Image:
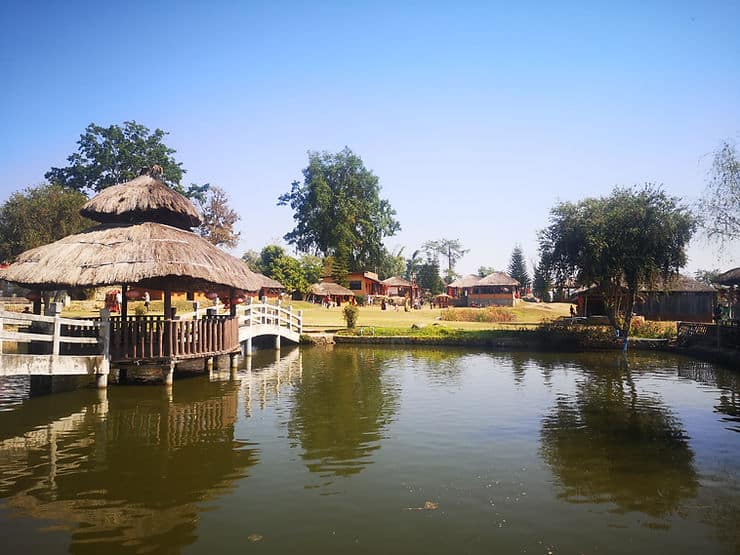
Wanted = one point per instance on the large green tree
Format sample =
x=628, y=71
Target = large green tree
x=451, y=249
x=111, y=155
x=428, y=278
x=518, y=267
x=541, y=282
x=719, y=208
x=338, y=211
x=631, y=238
x=38, y=216
x=275, y=263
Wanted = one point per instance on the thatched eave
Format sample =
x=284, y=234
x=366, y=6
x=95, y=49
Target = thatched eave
x=148, y=254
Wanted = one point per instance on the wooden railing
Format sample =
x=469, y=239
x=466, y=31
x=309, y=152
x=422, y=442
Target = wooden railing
x=724, y=334
x=53, y=334
x=154, y=337
x=276, y=315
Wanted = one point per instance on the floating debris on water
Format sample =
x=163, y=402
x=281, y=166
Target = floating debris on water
x=428, y=506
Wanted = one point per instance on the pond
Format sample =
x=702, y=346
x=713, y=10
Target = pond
x=368, y=450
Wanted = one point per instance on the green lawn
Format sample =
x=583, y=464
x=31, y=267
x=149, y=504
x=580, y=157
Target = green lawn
x=317, y=318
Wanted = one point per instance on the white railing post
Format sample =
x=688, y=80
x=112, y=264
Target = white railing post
x=57, y=335
x=300, y=321
x=290, y=318
x=278, y=311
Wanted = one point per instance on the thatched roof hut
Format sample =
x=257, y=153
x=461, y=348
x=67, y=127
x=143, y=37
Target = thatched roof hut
x=396, y=281
x=730, y=277
x=326, y=288
x=134, y=247
x=466, y=281
x=498, y=278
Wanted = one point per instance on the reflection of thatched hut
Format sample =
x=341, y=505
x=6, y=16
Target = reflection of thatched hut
x=145, y=240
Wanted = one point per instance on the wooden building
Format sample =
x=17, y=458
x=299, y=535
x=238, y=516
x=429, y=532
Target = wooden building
x=681, y=298
x=460, y=289
x=495, y=289
x=728, y=285
x=362, y=283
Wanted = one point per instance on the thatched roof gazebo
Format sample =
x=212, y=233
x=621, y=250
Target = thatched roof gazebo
x=144, y=240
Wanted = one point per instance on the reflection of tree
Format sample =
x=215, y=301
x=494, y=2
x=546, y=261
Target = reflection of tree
x=128, y=472
x=341, y=408
x=610, y=444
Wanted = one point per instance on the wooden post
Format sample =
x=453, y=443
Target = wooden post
x=167, y=323
x=234, y=360
x=101, y=375
x=124, y=302
x=2, y=309
x=232, y=306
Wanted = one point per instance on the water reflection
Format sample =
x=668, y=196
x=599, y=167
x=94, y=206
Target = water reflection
x=340, y=410
x=129, y=470
x=609, y=442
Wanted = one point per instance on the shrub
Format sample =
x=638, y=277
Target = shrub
x=350, y=313
x=653, y=330
x=487, y=314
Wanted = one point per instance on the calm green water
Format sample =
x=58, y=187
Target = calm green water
x=339, y=451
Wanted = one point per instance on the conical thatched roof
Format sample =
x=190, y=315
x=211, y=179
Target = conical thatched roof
x=150, y=254
x=143, y=199
x=498, y=278
x=730, y=277
x=328, y=288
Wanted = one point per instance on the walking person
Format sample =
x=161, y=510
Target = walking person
x=147, y=299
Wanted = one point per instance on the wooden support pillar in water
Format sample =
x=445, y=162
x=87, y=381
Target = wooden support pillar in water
x=101, y=381
x=169, y=373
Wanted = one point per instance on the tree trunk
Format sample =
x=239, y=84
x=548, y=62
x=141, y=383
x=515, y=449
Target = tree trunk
x=631, y=295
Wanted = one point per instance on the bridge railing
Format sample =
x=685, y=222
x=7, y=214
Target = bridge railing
x=53, y=334
x=152, y=337
x=276, y=315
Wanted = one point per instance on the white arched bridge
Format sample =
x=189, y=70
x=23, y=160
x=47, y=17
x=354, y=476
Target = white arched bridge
x=36, y=345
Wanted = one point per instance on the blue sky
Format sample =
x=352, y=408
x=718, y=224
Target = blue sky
x=477, y=116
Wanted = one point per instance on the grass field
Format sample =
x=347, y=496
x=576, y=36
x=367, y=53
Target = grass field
x=317, y=318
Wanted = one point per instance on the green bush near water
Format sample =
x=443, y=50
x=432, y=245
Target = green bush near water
x=350, y=313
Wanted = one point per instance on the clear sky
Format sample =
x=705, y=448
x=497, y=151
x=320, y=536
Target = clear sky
x=477, y=116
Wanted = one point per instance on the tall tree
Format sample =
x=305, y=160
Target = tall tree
x=338, y=211
x=451, y=249
x=312, y=268
x=618, y=243
x=719, y=208
x=218, y=219
x=428, y=278
x=484, y=271
x=392, y=264
x=518, y=267
x=111, y=155
x=38, y=216
x=413, y=264
x=541, y=282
